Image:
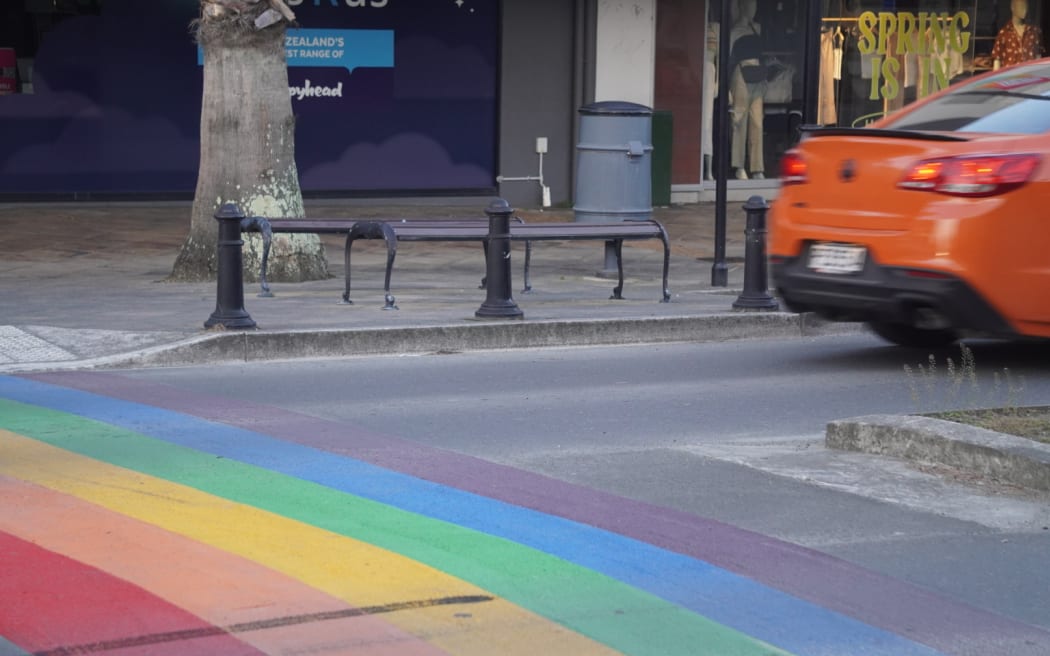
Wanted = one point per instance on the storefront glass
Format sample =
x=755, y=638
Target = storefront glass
x=876, y=59
x=876, y=56
x=764, y=84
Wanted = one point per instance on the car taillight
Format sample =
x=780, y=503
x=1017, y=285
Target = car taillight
x=984, y=175
x=793, y=169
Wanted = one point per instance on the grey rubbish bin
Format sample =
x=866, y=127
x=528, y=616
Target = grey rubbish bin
x=614, y=163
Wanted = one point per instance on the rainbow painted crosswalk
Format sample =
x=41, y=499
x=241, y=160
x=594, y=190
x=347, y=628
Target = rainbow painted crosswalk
x=133, y=520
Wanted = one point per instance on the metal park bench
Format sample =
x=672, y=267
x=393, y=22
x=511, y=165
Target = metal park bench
x=394, y=230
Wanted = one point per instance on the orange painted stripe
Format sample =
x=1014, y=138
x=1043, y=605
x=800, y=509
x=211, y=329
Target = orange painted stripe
x=219, y=587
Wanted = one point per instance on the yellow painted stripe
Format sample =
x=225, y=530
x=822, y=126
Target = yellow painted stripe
x=359, y=573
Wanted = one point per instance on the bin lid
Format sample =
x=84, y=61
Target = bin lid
x=616, y=108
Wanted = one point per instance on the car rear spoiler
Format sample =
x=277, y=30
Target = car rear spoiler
x=820, y=131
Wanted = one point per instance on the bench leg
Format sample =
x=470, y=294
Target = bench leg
x=667, y=264
x=259, y=224
x=346, y=267
x=618, y=249
x=528, y=256
x=391, y=252
x=528, y=261
x=372, y=230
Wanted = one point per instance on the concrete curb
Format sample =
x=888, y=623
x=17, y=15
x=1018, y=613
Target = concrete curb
x=261, y=346
x=1006, y=458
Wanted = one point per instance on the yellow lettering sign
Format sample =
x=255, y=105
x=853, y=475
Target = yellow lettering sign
x=866, y=23
x=960, y=35
x=887, y=36
x=887, y=30
x=919, y=34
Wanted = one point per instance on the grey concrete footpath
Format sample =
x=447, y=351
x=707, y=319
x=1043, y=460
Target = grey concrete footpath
x=84, y=286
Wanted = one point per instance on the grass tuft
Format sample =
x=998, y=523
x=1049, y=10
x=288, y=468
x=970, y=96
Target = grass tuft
x=1001, y=409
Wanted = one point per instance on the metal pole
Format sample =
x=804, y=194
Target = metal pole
x=811, y=63
x=498, y=302
x=719, y=269
x=229, y=293
x=755, y=296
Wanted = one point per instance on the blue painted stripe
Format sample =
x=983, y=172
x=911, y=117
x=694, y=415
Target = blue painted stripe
x=765, y=613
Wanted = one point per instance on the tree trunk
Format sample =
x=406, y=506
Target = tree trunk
x=247, y=152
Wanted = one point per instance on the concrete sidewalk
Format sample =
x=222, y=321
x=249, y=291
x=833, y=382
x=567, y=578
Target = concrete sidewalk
x=84, y=285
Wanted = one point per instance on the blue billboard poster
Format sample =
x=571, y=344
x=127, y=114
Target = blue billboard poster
x=110, y=105
x=394, y=95
x=390, y=96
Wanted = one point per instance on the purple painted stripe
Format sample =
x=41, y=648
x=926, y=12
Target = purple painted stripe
x=873, y=598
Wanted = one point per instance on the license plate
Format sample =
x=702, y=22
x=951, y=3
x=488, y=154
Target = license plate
x=836, y=258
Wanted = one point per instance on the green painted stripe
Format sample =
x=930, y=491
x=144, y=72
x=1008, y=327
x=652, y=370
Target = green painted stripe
x=606, y=610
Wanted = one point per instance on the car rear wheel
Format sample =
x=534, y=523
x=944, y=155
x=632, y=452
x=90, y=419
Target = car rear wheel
x=903, y=334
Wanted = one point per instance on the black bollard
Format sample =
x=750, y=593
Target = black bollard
x=755, y=296
x=229, y=296
x=498, y=302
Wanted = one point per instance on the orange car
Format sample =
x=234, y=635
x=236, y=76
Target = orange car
x=932, y=224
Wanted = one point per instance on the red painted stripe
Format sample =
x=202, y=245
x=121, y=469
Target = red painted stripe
x=52, y=604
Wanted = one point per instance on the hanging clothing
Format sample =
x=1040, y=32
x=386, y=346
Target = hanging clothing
x=943, y=63
x=830, y=70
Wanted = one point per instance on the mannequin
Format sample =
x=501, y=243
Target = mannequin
x=747, y=98
x=1017, y=41
x=707, y=95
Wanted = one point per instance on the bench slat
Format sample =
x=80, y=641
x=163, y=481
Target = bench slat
x=338, y=226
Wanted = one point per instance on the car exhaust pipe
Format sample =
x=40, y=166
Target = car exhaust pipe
x=928, y=318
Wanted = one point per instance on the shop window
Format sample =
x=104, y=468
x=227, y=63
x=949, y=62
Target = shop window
x=877, y=57
x=764, y=84
x=23, y=26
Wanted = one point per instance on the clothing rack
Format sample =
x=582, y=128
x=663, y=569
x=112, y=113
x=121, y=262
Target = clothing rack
x=854, y=19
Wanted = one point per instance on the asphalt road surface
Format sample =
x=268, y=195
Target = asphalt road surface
x=646, y=499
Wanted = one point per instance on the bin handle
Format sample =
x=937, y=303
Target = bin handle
x=635, y=149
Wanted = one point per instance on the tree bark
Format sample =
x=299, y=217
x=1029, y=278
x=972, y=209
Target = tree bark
x=247, y=151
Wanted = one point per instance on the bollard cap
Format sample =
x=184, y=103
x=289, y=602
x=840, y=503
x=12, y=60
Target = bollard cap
x=756, y=203
x=229, y=211
x=499, y=206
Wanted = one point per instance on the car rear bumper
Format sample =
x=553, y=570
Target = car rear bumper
x=887, y=294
